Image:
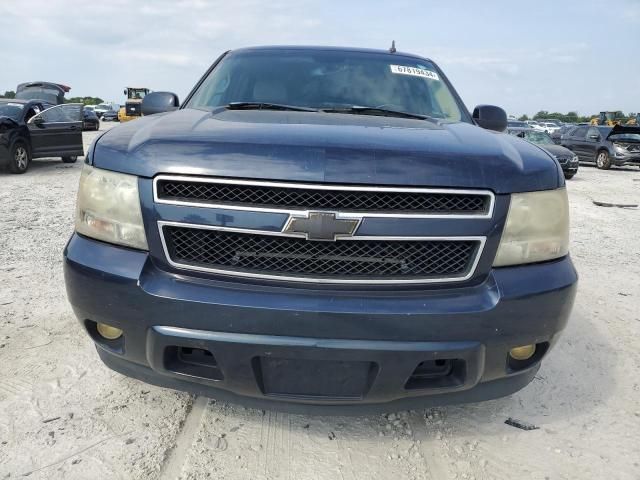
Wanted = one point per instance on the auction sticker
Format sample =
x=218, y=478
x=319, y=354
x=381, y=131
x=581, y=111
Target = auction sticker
x=414, y=72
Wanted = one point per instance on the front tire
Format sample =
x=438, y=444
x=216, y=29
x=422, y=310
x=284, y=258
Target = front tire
x=569, y=176
x=20, y=158
x=69, y=159
x=603, y=162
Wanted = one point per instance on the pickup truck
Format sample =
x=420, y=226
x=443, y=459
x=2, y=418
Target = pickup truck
x=323, y=229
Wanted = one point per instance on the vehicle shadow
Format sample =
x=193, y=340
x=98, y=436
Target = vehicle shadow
x=576, y=378
x=629, y=168
x=45, y=164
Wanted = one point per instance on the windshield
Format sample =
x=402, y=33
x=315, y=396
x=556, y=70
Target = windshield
x=11, y=110
x=512, y=123
x=137, y=93
x=103, y=107
x=539, y=138
x=625, y=137
x=327, y=80
x=47, y=94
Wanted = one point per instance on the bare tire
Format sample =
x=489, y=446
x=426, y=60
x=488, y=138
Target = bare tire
x=603, y=161
x=569, y=176
x=69, y=159
x=20, y=158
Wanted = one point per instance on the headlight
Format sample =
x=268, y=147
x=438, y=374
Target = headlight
x=108, y=208
x=537, y=228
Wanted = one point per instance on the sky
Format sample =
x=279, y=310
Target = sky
x=555, y=55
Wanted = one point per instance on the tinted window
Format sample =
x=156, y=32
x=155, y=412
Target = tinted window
x=328, y=79
x=11, y=110
x=50, y=95
x=62, y=113
x=593, y=131
x=604, y=131
x=518, y=124
x=580, y=132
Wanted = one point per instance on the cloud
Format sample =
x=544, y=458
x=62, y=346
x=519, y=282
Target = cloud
x=100, y=47
x=486, y=64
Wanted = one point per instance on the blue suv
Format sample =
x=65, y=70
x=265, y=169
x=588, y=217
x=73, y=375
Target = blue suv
x=322, y=228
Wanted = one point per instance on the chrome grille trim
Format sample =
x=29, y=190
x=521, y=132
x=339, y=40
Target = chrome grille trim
x=328, y=187
x=308, y=279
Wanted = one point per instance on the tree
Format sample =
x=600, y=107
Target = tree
x=9, y=94
x=541, y=114
x=524, y=118
x=85, y=100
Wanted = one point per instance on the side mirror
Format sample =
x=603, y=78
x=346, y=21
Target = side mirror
x=490, y=117
x=39, y=121
x=158, y=102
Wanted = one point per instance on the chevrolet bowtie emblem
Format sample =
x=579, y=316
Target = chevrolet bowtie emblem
x=321, y=226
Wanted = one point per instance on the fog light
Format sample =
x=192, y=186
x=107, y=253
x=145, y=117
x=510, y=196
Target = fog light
x=108, y=332
x=525, y=352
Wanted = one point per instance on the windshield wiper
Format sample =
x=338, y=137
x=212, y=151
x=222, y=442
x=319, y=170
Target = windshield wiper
x=267, y=106
x=360, y=110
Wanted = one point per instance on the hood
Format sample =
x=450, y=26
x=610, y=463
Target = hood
x=323, y=147
x=558, y=150
x=7, y=123
x=622, y=129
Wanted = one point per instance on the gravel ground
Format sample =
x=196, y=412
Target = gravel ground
x=64, y=415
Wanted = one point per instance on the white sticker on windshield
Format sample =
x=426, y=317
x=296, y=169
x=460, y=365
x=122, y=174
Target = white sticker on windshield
x=414, y=72
x=19, y=105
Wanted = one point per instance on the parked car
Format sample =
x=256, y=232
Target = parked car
x=565, y=157
x=549, y=127
x=28, y=130
x=322, y=227
x=556, y=135
x=517, y=124
x=110, y=116
x=102, y=108
x=90, y=120
x=555, y=121
x=535, y=125
x=605, y=146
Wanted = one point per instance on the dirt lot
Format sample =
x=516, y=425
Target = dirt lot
x=64, y=415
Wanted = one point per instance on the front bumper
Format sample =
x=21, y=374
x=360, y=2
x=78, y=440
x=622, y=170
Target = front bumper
x=328, y=348
x=626, y=159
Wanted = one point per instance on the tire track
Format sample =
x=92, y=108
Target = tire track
x=174, y=460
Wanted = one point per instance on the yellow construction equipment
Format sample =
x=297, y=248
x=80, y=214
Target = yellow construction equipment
x=609, y=119
x=133, y=106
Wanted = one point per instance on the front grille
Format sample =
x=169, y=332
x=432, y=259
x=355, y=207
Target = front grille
x=343, y=260
x=310, y=197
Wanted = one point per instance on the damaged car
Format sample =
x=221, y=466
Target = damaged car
x=33, y=129
x=52, y=93
x=605, y=146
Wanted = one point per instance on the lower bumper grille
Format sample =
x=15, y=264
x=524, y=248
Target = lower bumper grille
x=299, y=259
